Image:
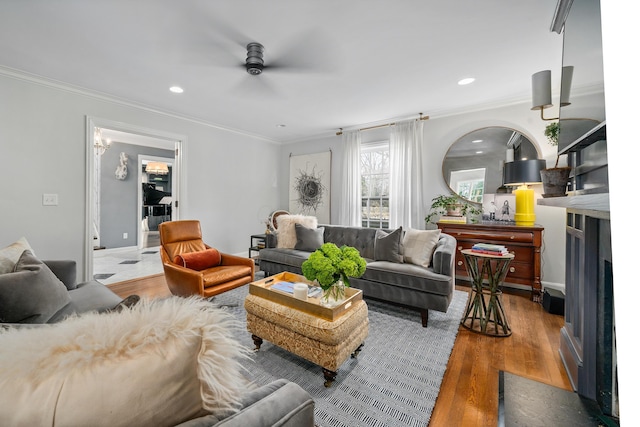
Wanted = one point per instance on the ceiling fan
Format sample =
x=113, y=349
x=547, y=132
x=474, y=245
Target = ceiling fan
x=298, y=59
x=255, y=58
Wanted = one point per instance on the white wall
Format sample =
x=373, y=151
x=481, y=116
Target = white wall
x=228, y=176
x=439, y=134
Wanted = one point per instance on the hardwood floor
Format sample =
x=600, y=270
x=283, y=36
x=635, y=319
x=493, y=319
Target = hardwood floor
x=469, y=392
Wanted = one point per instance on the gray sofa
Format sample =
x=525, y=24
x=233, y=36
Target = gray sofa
x=45, y=298
x=279, y=403
x=408, y=285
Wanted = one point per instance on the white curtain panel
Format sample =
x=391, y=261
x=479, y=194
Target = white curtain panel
x=405, y=181
x=351, y=196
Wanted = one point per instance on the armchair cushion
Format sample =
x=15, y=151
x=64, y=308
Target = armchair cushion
x=159, y=362
x=31, y=293
x=200, y=260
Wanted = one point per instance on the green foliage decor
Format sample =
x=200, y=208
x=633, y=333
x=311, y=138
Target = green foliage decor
x=552, y=132
x=441, y=204
x=330, y=263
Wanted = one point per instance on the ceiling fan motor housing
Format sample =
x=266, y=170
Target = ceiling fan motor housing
x=255, y=61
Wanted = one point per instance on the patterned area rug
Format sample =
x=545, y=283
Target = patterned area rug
x=395, y=379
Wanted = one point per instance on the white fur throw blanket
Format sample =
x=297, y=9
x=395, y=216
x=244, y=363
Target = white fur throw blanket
x=157, y=363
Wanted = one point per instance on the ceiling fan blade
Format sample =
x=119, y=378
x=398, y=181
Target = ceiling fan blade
x=309, y=53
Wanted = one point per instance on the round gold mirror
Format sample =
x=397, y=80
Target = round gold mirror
x=473, y=165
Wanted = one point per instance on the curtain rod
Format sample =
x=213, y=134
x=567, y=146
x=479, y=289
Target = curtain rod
x=383, y=125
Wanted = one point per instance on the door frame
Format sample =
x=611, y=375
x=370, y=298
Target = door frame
x=179, y=141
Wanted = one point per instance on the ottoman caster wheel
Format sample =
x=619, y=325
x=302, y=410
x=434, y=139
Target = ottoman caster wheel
x=257, y=341
x=357, y=351
x=329, y=377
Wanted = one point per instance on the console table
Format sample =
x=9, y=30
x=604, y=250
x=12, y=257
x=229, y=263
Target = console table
x=524, y=242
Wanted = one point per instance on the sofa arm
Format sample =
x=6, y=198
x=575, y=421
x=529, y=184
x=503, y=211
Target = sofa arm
x=444, y=256
x=65, y=270
x=183, y=281
x=280, y=403
x=271, y=240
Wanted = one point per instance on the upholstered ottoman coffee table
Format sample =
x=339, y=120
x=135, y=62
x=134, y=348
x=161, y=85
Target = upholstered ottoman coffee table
x=321, y=335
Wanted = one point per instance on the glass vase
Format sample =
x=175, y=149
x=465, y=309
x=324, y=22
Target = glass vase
x=334, y=295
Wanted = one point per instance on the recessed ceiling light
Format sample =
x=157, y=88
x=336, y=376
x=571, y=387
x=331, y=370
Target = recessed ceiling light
x=466, y=81
x=176, y=89
x=475, y=141
x=478, y=152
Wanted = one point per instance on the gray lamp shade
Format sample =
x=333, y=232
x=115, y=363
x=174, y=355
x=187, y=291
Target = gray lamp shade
x=541, y=89
x=565, y=89
x=523, y=172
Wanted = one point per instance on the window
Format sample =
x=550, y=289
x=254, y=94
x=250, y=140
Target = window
x=468, y=183
x=374, y=172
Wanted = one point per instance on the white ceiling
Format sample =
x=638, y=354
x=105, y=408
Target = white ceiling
x=344, y=63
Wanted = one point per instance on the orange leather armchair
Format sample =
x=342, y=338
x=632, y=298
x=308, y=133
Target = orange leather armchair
x=179, y=237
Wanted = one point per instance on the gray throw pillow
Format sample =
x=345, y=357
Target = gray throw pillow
x=31, y=293
x=388, y=246
x=309, y=239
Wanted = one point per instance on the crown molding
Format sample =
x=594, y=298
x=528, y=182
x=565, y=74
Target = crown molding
x=77, y=90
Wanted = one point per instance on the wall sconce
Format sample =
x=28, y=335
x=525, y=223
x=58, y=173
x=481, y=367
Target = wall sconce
x=157, y=168
x=541, y=90
x=98, y=143
x=522, y=173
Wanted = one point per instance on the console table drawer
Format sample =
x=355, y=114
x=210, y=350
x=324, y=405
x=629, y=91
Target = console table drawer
x=505, y=237
x=520, y=270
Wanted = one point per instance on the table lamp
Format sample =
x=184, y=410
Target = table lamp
x=522, y=173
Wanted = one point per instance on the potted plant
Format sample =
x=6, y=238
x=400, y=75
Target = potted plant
x=450, y=205
x=555, y=179
x=332, y=267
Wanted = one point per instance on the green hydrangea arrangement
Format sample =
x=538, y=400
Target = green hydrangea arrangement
x=329, y=264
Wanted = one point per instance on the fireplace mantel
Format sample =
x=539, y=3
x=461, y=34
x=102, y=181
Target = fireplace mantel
x=595, y=205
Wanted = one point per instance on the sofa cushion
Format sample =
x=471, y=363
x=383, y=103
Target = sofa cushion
x=31, y=293
x=286, y=231
x=308, y=239
x=388, y=246
x=199, y=260
x=408, y=276
x=9, y=255
x=159, y=362
x=419, y=245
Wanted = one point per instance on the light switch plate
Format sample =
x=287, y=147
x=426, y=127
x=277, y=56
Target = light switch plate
x=49, y=200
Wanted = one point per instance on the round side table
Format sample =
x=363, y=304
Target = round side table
x=484, y=308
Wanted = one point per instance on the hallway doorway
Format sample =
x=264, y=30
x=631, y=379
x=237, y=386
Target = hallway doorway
x=116, y=212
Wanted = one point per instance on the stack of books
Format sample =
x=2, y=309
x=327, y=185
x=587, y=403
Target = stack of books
x=453, y=219
x=489, y=249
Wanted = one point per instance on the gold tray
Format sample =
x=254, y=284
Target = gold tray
x=312, y=306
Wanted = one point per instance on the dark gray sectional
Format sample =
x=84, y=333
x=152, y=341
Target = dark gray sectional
x=408, y=285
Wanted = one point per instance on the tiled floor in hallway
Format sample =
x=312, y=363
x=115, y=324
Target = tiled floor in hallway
x=119, y=264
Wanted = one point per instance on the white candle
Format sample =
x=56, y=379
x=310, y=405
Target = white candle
x=300, y=290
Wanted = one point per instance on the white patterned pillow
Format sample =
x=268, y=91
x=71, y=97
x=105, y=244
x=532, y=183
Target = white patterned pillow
x=419, y=246
x=286, y=231
x=10, y=255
